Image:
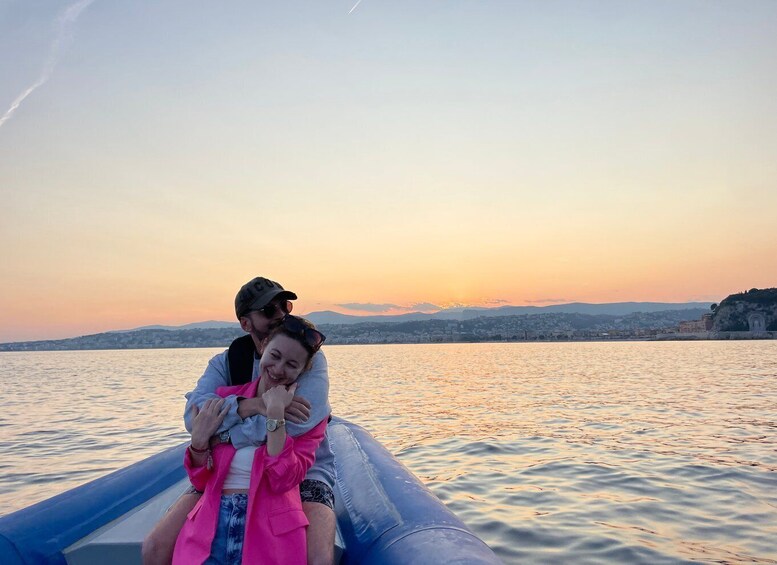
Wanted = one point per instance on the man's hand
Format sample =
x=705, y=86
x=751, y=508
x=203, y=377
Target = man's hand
x=298, y=411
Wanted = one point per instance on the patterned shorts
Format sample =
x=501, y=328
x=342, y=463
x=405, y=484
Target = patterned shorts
x=310, y=490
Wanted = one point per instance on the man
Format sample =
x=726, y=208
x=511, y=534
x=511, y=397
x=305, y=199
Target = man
x=260, y=305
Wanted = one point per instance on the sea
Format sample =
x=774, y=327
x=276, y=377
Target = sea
x=597, y=452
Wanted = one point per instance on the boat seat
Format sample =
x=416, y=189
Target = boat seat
x=119, y=541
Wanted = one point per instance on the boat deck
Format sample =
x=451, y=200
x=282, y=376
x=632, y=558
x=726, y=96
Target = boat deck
x=385, y=515
x=119, y=541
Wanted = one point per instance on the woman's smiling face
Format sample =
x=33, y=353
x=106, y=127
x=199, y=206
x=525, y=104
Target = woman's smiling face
x=283, y=360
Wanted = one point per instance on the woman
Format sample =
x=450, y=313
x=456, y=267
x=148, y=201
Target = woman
x=251, y=511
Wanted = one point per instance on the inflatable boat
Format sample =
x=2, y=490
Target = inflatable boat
x=384, y=514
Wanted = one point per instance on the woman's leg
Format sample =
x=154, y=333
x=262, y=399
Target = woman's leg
x=160, y=542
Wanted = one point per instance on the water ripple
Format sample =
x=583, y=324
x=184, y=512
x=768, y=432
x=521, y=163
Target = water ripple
x=644, y=453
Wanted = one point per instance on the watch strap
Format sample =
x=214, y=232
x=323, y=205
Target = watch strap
x=273, y=424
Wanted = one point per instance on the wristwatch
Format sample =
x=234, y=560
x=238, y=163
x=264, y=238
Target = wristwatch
x=273, y=424
x=218, y=439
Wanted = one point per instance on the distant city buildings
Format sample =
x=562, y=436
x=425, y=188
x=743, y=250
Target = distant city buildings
x=694, y=323
x=704, y=324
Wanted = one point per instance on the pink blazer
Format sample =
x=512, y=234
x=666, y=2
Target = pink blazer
x=275, y=522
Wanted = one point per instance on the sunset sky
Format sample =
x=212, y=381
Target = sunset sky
x=154, y=156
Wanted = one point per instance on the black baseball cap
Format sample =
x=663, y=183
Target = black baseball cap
x=258, y=293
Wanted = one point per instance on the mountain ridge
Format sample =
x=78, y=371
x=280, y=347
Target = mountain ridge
x=548, y=325
x=460, y=313
x=609, y=308
x=450, y=314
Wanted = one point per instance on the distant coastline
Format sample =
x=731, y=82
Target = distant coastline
x=184, y=340
x=526, y=328
x=748, y=315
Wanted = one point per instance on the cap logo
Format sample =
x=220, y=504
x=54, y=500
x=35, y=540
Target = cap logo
x=260, y=284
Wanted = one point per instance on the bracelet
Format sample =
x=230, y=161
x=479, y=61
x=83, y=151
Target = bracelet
x=209, y=461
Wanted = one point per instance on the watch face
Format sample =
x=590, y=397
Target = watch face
x=273, y=424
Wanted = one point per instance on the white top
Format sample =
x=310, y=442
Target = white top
x=239, y=476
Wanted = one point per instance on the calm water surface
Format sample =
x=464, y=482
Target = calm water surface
x=645, y=452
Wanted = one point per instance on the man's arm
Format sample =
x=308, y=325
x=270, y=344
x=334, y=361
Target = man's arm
x=313, y=386
x=216, y=375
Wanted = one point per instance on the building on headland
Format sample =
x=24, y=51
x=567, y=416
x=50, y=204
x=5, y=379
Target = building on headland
x=747, y=315
x=703, y=324
x=752, y=312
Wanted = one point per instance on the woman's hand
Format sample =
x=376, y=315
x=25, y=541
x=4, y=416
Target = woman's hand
x=207, y=421
x=277, y=399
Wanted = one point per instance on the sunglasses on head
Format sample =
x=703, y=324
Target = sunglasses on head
x=314, y=338
x=272, y=308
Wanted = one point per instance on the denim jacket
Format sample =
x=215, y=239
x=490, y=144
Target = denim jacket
x=313, y=386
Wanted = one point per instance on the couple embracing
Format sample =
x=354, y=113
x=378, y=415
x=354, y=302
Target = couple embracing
x=259, y=461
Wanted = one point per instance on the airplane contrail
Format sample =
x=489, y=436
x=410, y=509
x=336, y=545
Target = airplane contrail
x=354, y=6
x=64, y=33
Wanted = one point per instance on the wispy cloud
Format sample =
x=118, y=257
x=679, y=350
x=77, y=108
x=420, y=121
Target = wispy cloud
x=478, y=303
x=548, y=301
x=705, y=298
x=63, y=35
x=368, y=307
x=378, y=308
x=424, y=306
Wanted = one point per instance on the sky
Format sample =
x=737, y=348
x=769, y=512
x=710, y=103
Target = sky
x=380, y=156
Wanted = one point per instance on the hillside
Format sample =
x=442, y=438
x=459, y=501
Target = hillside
x=738, y=312
x=502, y=328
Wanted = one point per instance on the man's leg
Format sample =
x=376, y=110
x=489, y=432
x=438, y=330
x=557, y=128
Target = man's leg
x=160, y=542
x=321, y=533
